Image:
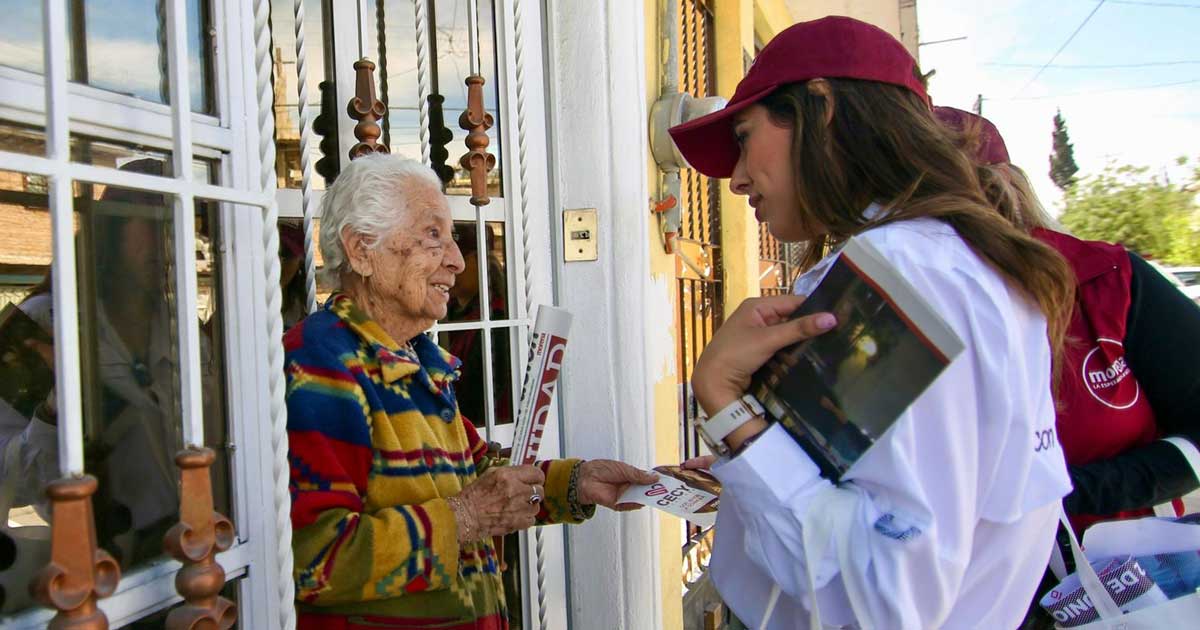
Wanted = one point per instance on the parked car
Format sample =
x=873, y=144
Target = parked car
x=1189, y=276
x=1187, y=279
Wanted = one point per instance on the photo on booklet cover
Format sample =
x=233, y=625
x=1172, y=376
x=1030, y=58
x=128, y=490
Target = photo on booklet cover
x=839, y=392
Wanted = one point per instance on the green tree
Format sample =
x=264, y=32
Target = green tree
x=1062, y=159
x=1149, y=215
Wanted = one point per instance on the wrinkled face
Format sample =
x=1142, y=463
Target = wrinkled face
x=413, y=269
x=764, y=173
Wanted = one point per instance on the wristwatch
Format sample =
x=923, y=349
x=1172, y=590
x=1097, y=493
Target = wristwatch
x=716, y=427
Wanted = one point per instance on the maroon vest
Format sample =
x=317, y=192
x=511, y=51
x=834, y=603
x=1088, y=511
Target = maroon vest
x=1102, y=410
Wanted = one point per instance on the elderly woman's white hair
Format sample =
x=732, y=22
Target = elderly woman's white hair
x=369, y=197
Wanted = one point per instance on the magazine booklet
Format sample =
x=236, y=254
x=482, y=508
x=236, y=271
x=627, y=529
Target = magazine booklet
x=692, y=495
x=25, y=379
x=837, y=393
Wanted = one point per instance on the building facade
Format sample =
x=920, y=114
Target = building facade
x=161, y=159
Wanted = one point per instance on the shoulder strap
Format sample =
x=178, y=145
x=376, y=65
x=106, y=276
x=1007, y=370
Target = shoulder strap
x=1092, y=585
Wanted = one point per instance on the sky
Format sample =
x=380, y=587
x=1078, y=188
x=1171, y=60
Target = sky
x=1127, y=114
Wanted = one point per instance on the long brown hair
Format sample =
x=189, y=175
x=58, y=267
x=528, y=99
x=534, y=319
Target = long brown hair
x=883, y=145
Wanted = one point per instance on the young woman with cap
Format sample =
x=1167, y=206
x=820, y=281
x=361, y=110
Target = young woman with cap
x=1130, y=383
x=948, y=520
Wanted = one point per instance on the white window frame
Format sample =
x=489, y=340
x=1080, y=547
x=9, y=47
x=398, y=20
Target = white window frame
x=32, y=99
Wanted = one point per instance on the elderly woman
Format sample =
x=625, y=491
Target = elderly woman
x=394, y=501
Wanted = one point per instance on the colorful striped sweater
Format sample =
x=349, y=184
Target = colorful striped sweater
x=376, y=444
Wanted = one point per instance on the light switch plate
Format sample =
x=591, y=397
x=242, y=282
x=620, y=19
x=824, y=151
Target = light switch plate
x=580, y=240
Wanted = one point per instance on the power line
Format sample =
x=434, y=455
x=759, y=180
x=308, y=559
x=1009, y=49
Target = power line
x=1065, y=44
x=1090, y=92
x=1068, y=66
x=1173, y=5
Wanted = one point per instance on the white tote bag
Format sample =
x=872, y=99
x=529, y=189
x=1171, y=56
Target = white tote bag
x=1175, y=614
x=32, y=542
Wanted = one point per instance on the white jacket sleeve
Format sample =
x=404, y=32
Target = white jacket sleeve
x=36, y=454
x=893, y=541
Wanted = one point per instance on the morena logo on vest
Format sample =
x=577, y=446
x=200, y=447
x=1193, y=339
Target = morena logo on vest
x=1107, y=377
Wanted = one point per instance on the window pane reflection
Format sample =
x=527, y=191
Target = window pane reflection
x=399, y=55
x=287, y=96
x=128, y=350
x=117, y=45
x=465, y=305
x=21, y=38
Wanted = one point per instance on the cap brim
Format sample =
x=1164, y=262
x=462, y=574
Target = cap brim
x=708, y=144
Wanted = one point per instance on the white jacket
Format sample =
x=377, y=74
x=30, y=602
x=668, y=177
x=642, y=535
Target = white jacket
x=948, y=520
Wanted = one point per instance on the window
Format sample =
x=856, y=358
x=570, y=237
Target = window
x=118, y=46
x=170, y=338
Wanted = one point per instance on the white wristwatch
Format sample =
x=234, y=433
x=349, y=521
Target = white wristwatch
x=714, y=429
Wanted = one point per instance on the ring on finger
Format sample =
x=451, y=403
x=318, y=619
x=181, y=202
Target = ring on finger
x=536, y=495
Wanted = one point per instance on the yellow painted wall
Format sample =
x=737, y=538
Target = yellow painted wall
x=734, y=22
x=663, y=297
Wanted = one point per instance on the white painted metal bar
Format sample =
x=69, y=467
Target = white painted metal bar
x=280, y=470
x=473, y=35
x=146, y=590
x=125, y=179
x=421, y=24
x=105, y=113
x=492, y=325
x=306, y=168
x=68, y=383
x=485, y=314
x=188, y=326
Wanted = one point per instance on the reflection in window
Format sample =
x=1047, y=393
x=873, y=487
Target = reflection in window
x=466, y=305
x=116, y=45
x=399, y=56
x=287, y=96
x=128, y=350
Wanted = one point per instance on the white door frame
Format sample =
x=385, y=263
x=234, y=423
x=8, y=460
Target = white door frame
x=597, y=68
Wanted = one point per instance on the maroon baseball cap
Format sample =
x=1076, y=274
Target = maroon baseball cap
x=991, y=149
x=831, y=47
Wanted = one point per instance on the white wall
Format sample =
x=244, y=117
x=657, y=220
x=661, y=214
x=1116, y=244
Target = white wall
x=596, y=64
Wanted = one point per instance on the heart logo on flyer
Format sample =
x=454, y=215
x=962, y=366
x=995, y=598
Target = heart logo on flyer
x=1107, y=377
x=656, y=490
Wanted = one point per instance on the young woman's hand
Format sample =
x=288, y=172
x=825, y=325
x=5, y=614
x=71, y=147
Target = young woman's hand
x=747, y=338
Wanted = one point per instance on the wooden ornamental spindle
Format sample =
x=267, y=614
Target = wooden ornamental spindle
x=79, y=572
x=195, y=541
x=476, y=121
x=367, y=110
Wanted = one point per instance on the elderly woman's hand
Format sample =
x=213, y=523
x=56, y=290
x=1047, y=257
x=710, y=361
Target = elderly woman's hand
x=756, y=330
x=498, y=502
x=602, y=481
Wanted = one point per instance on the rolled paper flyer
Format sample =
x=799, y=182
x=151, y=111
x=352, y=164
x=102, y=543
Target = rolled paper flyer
x=548, y=345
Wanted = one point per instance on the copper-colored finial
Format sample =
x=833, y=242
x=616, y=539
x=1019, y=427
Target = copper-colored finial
x=367, y=110
x=195, y=540
x=476, y=121
x=79, y=572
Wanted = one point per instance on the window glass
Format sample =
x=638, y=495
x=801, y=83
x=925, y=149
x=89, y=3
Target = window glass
x=128, y=350
x=116, y=45
x=287, y=95
x=451, y=67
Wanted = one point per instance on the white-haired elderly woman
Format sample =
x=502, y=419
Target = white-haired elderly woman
x=394, y=502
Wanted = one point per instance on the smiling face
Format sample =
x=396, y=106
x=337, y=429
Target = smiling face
x=765, y=173
x=408, y=274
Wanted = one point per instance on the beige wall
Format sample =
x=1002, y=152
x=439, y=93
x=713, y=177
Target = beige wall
x=898, y=17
